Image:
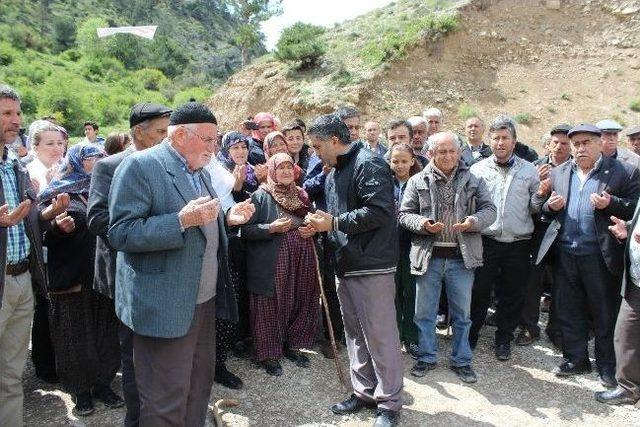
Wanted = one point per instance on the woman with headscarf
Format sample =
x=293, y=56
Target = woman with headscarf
x=233, y=155
x=281, y=269
x=83, y=322
x=274, y=143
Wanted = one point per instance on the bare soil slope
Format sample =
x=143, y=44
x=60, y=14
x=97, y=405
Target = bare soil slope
x=543, y=61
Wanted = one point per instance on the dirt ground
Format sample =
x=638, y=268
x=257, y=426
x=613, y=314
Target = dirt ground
x=519, y=392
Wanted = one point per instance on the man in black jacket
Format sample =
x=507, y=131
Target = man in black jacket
x=148, y=123
x=361, y=224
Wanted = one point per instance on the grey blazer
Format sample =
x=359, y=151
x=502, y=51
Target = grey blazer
x=626, y=279
x=104, y=280
x=158, y=265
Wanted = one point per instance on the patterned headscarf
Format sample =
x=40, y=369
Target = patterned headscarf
x=229, y=140
x=269, y=140
x=262, y=117
x=290, y=197
x=71, y=177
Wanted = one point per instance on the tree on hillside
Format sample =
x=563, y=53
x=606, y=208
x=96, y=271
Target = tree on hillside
x=250, y=14
x=301, y=43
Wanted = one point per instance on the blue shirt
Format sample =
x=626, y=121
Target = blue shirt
x=18, y=245
x=578, y=234
x=314, y=182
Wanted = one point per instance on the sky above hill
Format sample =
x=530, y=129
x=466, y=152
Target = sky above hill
x=318, y=12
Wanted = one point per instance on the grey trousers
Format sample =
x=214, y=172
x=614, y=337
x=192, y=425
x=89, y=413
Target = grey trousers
x=371, y=332
x=175, y=375
x=627, y=342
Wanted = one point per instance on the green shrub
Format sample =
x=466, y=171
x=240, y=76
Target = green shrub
x=466, y=111
x=301, y=43
x=72, y=55
x=635, y=105
x=523, y=118
x=150, y=79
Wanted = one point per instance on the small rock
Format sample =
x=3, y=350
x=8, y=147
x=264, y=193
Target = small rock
x=553, y=4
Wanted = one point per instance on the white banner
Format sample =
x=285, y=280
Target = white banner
x=147, y=31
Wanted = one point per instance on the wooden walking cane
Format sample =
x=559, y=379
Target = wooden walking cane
x=332, y=338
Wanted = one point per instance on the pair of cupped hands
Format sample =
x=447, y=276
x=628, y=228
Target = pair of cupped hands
x=203, y=210
x=314, y=222
x=57, y=211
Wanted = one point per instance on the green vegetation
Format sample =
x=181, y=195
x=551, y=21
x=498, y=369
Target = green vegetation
x=565, y=97
x=50, y=53
x=393, y=42
x=301, y=43
x=552, y=109
x=466, y=111
x=635, y=105
x=523, y=118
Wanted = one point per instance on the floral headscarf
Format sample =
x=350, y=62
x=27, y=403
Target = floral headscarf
x=290, y=197
x=262, y=117
x=71, y=177
x=229, y=140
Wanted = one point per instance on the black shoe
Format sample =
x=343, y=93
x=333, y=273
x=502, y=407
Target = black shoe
x=608, y=379
x=525, y=337
x=413, y=350
x=352, y=405
x=420, y=368
x=491, y=320
x=297, y=357
x=105, y=395
x=226, y=378
x=84, y=404
x=567, y=369
x=386, y=418
x=272, y=367
x=618, y=396
x=503, y=351
x=465, y=373
x=242, y=349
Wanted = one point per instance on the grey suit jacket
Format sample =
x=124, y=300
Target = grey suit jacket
x=158, y=265
x=626, y=279
x=104, y=280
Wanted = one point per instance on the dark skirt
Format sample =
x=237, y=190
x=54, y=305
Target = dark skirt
x=84, y=331
x=290, y=316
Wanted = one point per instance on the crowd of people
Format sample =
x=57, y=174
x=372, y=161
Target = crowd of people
x=160, y=250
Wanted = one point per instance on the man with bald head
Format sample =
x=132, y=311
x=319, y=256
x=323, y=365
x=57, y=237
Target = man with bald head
x=447, y=234
x=372, y=139
x=582, y=195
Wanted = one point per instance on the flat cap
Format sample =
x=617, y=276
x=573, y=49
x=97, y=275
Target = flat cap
x=192, y=112
x=146, y=111
x=609, y=125
x=584, y=128
x=632, y=130
x=560, y=128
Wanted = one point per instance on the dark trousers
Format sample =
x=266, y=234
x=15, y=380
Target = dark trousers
x=627, y=341
x=327, y=272
x=531, y=306
x=129, y=388
x=406, y=301
x=175, y=375
x=42, y=353
x=505, y=265
x=585, y=287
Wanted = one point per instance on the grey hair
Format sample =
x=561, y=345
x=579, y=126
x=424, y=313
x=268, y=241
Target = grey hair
x=347, y=112
x=329, y=125
x=432, y=112
x=9, y=92
x=38, y=127
x=433, y=140
x=416, y=121
x=504, y=121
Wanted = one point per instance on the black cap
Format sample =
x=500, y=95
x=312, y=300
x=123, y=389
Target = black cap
x=192, y=112
x=561, y=128
x=250, y=124
x=146, y=111
x=584, y=128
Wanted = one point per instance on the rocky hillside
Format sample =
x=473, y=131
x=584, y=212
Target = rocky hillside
x=542, y=61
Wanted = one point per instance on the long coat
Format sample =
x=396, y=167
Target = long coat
x=158, y=265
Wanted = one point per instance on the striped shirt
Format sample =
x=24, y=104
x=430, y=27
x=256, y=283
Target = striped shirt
x=18, y=244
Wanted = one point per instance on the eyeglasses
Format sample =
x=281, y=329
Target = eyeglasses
x=213, y=141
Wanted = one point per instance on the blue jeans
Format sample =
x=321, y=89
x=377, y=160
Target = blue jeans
x=458, y=281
